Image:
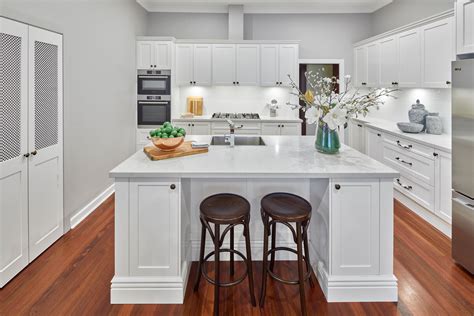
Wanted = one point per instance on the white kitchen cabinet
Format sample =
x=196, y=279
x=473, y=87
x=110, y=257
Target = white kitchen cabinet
x=443, y=181
x=281, y=129
x=437, y=54
x=247, y=64
x=153, y=55
x=388, y=61
x=374, y=144
x=148, y=224
x=361, y=66
x=194, y=128
x=355, y=247
x=465, y=27
x=202, y=65
x=409, y=59
x=277, y=61
x=357, y=136
x=223, y=64
x=193, y=64
x=373, y=65
x=31, y=155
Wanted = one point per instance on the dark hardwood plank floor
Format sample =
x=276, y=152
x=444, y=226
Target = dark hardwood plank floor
x=73, y=278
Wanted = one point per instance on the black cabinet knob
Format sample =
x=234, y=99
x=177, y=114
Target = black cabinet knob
x=238, y=82
x=435, y=154
x=448, y=82
x=173, y=186
x=26, y=155
x=34, y=152
x=337, y=186
x=277, y=83
x=283, y=126
x=194, y=82
x=379, y=135
x=190, y=82
x=193, y=124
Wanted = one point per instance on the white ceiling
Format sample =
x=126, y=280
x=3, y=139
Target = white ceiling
x=265, y=6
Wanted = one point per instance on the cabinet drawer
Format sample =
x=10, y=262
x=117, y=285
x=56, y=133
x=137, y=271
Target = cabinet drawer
x=409, y=146
x=237, y=132
x=418, y=167
x=238, y=125
x=142, y=135
x=421, y=193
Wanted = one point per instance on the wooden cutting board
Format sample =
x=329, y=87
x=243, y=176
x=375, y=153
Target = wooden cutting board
x=184, y=150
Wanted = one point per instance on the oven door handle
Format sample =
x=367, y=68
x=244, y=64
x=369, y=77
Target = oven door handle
x=153, y=77
x=153, y=102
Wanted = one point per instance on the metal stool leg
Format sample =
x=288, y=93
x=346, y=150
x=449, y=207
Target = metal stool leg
x=201, y=258
x=249, y=261
x=265, y=259
x=217, y=269
x=306, y=253
x=299, y=244
x=272, y=256
x=232, y=254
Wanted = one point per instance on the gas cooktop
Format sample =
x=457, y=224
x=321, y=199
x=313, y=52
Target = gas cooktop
x=236, y=116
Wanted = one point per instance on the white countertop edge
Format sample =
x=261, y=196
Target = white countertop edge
x=261, y=120
x=413, y=137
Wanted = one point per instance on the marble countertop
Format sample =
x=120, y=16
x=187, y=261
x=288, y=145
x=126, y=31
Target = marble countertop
x=263, y=119
x=441, y=142
x=282, y=157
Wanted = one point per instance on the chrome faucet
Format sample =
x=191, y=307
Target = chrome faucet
x=231, y=137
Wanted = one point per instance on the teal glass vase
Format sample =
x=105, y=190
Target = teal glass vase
x=327, y=140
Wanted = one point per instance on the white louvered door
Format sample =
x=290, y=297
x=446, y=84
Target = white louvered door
x=45, y=140
x=13, y=145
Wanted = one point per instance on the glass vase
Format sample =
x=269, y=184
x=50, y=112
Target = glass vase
x=327, y=140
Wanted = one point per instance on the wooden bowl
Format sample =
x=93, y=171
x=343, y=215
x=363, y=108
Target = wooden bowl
x=167, y=144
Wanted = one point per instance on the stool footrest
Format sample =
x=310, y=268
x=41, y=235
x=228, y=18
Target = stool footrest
x=227, y=284
x=278, y=278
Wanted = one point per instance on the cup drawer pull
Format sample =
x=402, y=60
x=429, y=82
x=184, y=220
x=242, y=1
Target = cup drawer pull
x=403, y=161
x=404, y=146
x=406, y=187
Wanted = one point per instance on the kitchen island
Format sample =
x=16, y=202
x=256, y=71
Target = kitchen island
x=157, y=227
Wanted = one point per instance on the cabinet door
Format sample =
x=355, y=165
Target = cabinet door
x=223, y=64
x=443, y=187
x=203, y=64
x=288, y=63
x=373, y=65
x=357, y=136
x=388, y=62
x=438, y=53
x=271, y=128
x=184, y=64
x=145, y=51
x=45, y=168
x=465, y=26
x=269, y=65
x=162, y=55
x=154, y=212
x=374, y=145
x=201, y=128
x=186, y=125
x=409, y=59
x=361, y=66
x=248, y=69
x=355, y=227
x=13, y=145
x=290, y=129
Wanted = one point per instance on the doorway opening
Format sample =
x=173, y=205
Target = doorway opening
x=327, y=68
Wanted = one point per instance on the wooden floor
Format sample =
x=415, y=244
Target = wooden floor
x=73, y=278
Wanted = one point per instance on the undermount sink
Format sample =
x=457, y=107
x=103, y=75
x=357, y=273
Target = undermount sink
x=239, y=141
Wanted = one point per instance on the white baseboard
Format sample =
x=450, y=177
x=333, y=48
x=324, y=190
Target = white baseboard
x=428, y=216
x=91, y=206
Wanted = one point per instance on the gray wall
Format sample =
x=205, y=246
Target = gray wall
x=402, y=12
x=188, y=25
x=99, y=85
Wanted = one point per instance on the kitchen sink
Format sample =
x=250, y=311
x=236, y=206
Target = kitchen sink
x=239, y=141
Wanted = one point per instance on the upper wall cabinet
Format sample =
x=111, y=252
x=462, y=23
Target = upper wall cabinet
x=247, y=64
x=236, y=64
x=193, y=64
x=223, y=64
x=277, y=61
x=153, y=55
x=465, y=26
x=415, y=58
x=437, y=53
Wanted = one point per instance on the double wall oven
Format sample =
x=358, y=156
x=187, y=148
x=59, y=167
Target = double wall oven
x=154, y=97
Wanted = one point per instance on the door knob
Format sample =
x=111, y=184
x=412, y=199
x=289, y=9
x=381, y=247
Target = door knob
x=34, y=152
x=173, y=186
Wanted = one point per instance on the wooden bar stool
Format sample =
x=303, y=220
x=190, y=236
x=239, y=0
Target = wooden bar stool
x=286, y=208
x=224, y=209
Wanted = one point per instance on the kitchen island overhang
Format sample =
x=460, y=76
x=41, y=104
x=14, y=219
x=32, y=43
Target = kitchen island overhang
x=157, y=230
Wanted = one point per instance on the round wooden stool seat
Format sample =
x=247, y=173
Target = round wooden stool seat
x=286, y=207
x=224, y=208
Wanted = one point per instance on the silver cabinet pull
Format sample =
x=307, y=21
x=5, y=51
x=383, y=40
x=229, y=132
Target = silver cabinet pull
x=403, y=161
x=406, y=187
x=404, y=146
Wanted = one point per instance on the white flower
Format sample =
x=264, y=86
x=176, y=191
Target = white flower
x=336, y=117
x=327, y=80
x=312, y=115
